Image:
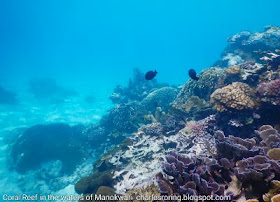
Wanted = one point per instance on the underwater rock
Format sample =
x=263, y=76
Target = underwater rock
x=7, y=97
x=236, y=96
x=161, y=97
x=43, y=143
x=91, y=184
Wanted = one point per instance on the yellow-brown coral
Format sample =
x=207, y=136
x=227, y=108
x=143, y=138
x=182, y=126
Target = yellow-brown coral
x=276, y=198
x=236, y=96
x=233, y=70
x=273, y=194
x=252, y=200
x=274, y=154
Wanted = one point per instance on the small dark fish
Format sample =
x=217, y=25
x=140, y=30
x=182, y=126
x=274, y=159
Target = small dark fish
x=150, y=75
x=192, y=74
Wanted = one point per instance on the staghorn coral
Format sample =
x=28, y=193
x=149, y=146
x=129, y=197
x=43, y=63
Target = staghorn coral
x=270, y=92
x=236, y=96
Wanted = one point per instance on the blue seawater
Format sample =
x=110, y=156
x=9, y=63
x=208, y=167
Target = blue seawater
x=61, y=60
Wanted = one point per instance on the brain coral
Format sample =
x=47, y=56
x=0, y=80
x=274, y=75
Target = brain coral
x=236, y=96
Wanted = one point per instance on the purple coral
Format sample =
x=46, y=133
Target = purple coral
x=270, y=91
x=257, y=168
x=194, y=176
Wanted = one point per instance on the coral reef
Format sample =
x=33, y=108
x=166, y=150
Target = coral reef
x=195, y=176
x=270, y=92
x=143, y=194
x=246, y=46
x=274, y=191
x=124, y=118
x=209, y=80
x=138, y=88
x=214, y=139
x=236, y=96
x=161, y=97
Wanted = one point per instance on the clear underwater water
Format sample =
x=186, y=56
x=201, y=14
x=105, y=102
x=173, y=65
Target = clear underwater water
x=91, y=46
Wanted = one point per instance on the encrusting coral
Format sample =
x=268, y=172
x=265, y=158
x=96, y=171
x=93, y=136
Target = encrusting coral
x=236, y=96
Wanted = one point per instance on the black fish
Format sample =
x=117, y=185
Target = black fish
x=150, y=75
x=192, y=74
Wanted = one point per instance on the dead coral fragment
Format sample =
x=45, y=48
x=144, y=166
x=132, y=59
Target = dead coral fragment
x=236, y=96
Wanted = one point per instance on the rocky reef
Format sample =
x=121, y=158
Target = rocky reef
x=216, y=136
x=39, y=145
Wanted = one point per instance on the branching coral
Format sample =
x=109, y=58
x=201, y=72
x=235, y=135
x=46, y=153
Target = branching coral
x=236, y=96
x=270, y=91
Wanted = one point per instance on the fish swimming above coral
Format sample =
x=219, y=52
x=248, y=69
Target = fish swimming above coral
x=150, y=75
x=192, y=74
